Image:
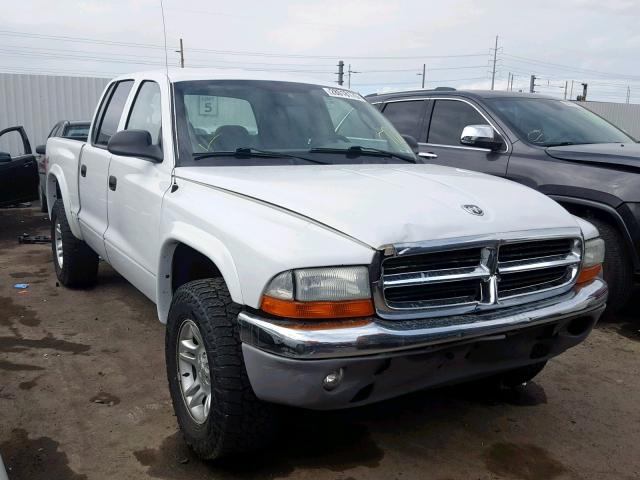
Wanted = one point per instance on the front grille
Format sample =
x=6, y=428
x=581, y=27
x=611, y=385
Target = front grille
x=480, y=275
x=535, y=249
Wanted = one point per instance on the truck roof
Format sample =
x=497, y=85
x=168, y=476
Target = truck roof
x=452, y=92
x=187, y=74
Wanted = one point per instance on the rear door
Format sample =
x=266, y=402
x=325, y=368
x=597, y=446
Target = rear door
x=94, y=166
x=18, y=167
x=448, y=117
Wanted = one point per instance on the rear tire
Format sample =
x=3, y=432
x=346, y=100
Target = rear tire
x=221, y=415
x=75, y=263
x=617, y=268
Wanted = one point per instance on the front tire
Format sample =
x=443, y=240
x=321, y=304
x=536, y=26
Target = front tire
x=617, y=268
x=75, y=263
x=214, y=403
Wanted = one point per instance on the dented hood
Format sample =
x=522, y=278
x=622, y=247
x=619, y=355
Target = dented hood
x=385, y=204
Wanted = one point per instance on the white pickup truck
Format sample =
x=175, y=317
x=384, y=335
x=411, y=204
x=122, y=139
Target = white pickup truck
x=298, y=254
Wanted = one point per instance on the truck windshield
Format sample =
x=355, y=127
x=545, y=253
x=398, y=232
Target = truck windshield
x=548, y=122
x=305, y=123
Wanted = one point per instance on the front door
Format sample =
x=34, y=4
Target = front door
x=443, y=146
x=18, y=167
x=94, y=167
x=135, y=198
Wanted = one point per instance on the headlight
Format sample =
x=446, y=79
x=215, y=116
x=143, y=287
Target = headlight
x=592, y=260
x=333, y=292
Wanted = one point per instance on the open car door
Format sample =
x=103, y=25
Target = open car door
x=18, y=167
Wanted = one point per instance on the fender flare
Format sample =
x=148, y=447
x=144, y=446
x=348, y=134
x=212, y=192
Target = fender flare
x=55, y=175
x=203, y=242
x=611, y=212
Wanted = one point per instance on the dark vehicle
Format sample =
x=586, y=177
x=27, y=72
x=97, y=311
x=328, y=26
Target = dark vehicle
x=18, y=168
x=579, y=159
x=66, y=129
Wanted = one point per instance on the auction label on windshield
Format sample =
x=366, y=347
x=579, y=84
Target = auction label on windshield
x=340, y=93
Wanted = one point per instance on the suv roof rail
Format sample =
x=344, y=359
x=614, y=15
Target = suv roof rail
x=445, y=89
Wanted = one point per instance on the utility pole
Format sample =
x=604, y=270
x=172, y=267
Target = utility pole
x=495, y=58
x=571, y=94
x=508, y=81
x=349, y=72
x=584, y=92
x=181, y=52
x=532, y=84
x=424, y=73
x=566, y=85
x=340, y=73
x=628, y=93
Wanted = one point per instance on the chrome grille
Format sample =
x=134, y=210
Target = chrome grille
x=486, y=273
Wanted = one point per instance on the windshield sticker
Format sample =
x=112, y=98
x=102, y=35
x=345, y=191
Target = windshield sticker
x=340, y=93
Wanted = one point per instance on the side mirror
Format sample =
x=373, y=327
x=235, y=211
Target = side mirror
x=135, y=143
x=41, y=149
x=5, y=157
x=481, y=136
x=412, y=142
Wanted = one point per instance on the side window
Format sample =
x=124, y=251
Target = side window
x=113, y=112
x=406, y=116
x=448, y=119
x=11, y=142
x=145, y=113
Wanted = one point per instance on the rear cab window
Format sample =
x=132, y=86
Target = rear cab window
x=109, y=116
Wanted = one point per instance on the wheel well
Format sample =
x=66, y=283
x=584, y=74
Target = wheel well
x=188, y=264
x=587, y=212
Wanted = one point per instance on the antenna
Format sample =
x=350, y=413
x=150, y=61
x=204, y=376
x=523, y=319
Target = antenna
x=164, y=31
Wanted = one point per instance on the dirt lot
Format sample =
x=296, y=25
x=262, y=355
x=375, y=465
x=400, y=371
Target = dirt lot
x=83, y=395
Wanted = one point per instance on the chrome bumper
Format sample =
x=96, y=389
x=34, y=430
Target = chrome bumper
x=286, y=339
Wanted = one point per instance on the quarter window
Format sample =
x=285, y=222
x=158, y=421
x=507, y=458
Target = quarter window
x=406, y=116
x=113, y=112
x=145, y=113
x=449, y=118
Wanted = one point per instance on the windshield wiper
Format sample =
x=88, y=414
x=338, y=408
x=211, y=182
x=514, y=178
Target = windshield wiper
x=357, y=150
x=560, y=144
x=248, y=152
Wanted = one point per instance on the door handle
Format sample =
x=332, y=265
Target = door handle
x=83, y=171
x=427, y=155
x=113, y=182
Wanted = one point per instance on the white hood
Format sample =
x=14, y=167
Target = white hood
x=385, y=204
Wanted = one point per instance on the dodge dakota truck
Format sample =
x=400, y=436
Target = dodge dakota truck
x=299, y=256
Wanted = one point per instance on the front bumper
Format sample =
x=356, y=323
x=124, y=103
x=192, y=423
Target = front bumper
x=382, y=359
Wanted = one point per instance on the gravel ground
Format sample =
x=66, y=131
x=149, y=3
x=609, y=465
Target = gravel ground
x=84, y=395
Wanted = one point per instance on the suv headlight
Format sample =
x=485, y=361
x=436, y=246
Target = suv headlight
x=592, y=260
x=332, y=292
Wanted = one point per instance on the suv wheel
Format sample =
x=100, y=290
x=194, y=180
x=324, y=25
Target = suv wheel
x=617, y=265
x=213, y=400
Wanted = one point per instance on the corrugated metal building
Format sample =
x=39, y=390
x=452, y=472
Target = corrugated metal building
x=624, y=115
x=37, y=102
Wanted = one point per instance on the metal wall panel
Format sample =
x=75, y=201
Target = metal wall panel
x=37, y=102
x=625, y=116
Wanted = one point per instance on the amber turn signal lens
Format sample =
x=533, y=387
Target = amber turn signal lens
x=588, y=274
x=293, y=309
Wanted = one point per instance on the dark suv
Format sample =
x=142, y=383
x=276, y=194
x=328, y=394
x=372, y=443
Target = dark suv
x=558, y=147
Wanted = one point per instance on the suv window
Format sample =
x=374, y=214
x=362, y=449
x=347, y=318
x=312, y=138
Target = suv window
x=448, y=119
x=405, y=116
x=145, y=113
x=113, y=112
